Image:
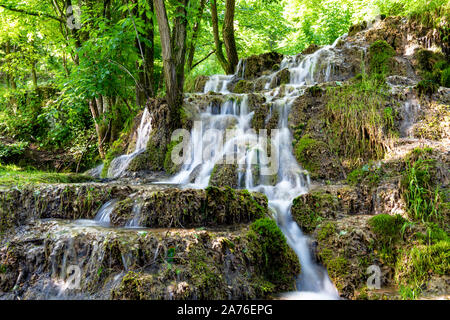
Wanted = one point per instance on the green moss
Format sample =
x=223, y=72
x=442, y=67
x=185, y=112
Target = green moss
x=425, y=199
x=380, y=53
x=278, y=262
x=337, y=266
x=426, y=87
x=315, y=91
x=139, y=163
x=386, y=226
x=169, y=166
x=224, y=175
x=156, y=156
x=445, y=77
x=122, y=212
x=309, y=210
x=418, y=264
x=432, y=234
x=309, y=152
x=426, y=59
x=243, y=86
x=369, y=174
x=326, y=231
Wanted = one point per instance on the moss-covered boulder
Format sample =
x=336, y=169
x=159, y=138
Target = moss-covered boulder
x=238, y=265
x=122, y=213
x=72, y=201
x=244, y=86
x=256, y=65
x=310, y=209
x=282, y=77
x=198, y=208
x=224, y=175
x=316, y=157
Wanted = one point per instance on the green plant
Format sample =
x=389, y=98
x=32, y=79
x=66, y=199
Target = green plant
x=380, y=53
x=423, y=197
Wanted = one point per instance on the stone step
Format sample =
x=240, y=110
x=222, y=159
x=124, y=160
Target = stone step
x=38, y=259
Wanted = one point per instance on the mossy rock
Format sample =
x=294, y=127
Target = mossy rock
x=169, y=166
x=256, y=65
x=243, y=86
x=311, y=49
x=201, y=208
x=139, y=163
x=122, y=213
x=380, y=54
x=277, y=261
x=199, y=84
x=316, y=157
x=358, y=27
x=282, y=77
x=310, y=209
x=224, y=175
x=245, y=264
x=424, y=60
x=345, y=249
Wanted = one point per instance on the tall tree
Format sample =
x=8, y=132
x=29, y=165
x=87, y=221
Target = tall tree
x=195, y=32
x=230, y=62
x=145, y=45
x=173, y=46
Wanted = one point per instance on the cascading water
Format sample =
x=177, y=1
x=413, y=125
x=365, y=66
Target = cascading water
x=249, y=151
x=119, y=165
x=104, y=213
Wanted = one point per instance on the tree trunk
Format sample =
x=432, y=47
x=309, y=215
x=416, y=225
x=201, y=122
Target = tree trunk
x=228, y=36
x=195, y=31
x=34, y=75
x=145, y=89
x=12, y=82
x=173, y=54
x=218, y=43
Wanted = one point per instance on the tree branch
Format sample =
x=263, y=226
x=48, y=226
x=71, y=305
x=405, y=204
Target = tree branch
x=200, y=61
x=36, y=14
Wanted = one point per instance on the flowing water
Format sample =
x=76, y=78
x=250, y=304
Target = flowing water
x=104, y=213
x=119, y=165
x=210, y=144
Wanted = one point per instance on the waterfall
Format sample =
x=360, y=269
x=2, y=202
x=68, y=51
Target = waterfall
x=211, y=143
x=119, y=165
x=104, y=213
x=409, y=112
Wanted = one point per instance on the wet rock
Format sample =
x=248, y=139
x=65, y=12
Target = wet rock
x=257, y=64
x=198, y=208
x=224, y=175
x=243, y=86
x=280, y=78
x=143, y=264
x=73, y=201
x=200, y=82
x=311, y=49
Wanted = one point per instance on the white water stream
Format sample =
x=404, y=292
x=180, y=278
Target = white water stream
x=119, y=165
x=252, y=158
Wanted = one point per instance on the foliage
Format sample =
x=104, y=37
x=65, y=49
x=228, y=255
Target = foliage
x=424, y=198
x=360, y=127
x=380, y=53
x=13, y=176
x=417, y=264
